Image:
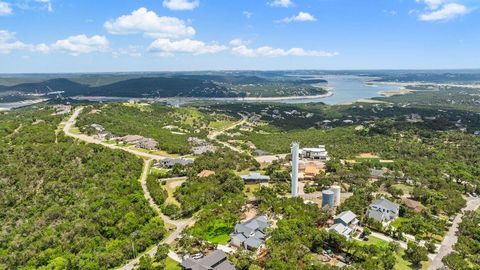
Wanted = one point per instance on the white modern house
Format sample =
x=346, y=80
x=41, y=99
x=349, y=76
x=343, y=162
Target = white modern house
x=318, y=153
x=345, y=223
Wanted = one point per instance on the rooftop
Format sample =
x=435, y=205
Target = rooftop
x=255, y=176
x=346, y=216
x=217, y=260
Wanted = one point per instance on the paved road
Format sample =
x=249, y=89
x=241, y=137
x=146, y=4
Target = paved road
x=215, y=134
x=451, y=237
x=71, y=122
x=179, y=225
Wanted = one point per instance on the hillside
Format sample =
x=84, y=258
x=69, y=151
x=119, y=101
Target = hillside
x=66, y=205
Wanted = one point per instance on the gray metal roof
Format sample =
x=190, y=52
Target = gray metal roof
x=386, y=204
x=255, y=176
x=376, y=214
x=346, y=216
x=253, y=242
x=217, y=260
x=251, y=233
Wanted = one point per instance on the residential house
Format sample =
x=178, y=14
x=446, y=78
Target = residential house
x=412, y=204
x=347, y=218
x=345, y=223
x=170, y=162
x=310, y=172
x=341, y=229
x=205, y=173
x=130, y=139
x=255, y=177
x=216, y=260
x=202, y=149
x=377, y=174
x=147, y=143
x=250, y=234
x=383, y=210
x=318, y=153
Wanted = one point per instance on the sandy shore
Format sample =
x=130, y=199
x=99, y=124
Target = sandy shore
x=401, y=91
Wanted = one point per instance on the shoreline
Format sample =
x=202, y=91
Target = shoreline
x=190, y=99
x=7, y=106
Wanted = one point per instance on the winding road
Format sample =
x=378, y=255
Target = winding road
x=89, y=139
x=179, y=225
x=213, y=136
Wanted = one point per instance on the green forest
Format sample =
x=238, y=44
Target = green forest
x=67, y=205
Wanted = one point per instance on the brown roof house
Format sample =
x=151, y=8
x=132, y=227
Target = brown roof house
x=205, y=173
x=412, y=204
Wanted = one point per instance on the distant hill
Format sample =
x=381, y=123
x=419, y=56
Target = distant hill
x=68, y=87
x=141, y=87
x=162, y=87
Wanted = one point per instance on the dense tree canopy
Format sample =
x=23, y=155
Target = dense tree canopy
x=67, y=205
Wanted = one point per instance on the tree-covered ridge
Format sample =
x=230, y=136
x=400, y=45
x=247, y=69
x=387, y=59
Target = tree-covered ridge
x=68, y=205
x=154, y=121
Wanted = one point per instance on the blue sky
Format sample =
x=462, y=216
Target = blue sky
x=158, y=35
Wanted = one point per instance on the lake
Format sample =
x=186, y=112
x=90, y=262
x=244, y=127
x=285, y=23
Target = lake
x=349, y=88
x=344, y=89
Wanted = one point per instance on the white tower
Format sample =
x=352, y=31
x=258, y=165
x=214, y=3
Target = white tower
x=295, y=150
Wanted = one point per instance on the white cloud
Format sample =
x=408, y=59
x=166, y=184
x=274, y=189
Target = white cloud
x=300, y=17
x=9, y=43
x=74, y=45
x=268, y=51
x=79, y=44
x=440, y=10
x=247, y=14
x=5, y=8
x=181, y=4
x=281, y=3
x=168, y=47
x=446, y=12
x=149, y=23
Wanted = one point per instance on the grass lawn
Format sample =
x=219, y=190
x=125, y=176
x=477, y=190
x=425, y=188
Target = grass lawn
x=219, y=125
x=170, y=187
x=220, y=239
x=372, y=240
x=401, y=263
x=171, y=264
x=250, y=189
x=216, y=231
